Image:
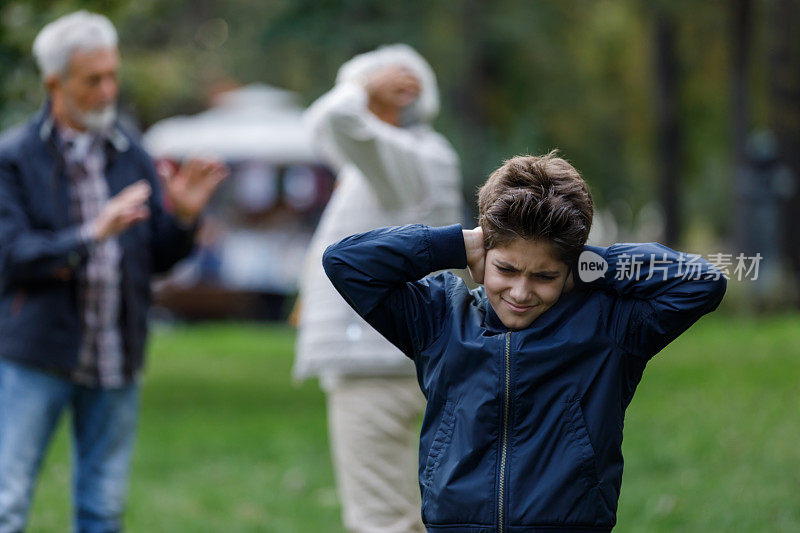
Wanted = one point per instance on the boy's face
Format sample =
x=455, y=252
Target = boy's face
x=523, y=279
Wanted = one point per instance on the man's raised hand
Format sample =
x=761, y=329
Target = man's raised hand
x=192, y=186
x=122, y=211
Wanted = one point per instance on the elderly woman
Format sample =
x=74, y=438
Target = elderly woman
x=393, y=169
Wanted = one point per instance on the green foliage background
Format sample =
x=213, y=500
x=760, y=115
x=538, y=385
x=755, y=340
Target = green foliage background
x=516, y=77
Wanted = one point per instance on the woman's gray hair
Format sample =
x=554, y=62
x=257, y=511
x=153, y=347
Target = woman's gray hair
x=79, y=31
x=358, y=68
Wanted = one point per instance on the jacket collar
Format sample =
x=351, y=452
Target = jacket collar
x=491, y=320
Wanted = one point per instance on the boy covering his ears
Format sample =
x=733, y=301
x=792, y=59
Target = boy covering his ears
x=527, y=377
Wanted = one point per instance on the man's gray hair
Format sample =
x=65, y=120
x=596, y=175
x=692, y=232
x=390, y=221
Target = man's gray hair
x=79, y=31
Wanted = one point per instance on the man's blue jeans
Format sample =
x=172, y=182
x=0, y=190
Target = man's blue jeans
x=104, y=427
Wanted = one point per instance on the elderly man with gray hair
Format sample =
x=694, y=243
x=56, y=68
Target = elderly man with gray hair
x=82, y=228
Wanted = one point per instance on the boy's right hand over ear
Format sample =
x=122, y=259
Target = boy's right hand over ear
x=476, y=253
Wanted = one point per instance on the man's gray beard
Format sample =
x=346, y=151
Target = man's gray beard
x=100, y=120
x=95, y=120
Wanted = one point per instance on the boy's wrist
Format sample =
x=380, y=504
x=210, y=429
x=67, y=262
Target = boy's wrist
x=447, y=248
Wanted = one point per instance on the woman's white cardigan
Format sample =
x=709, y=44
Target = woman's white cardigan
x=386, y=176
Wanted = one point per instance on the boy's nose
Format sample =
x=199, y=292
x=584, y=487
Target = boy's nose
x=520, y=293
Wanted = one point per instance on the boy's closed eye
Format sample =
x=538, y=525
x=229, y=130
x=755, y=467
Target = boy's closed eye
x=510, y=270
x=504, y=267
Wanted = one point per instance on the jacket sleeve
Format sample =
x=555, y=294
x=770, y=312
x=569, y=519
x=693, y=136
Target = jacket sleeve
x=29, y=255
x=661, y=292
x=392, y=159
x=171, y=240
x=379, y=273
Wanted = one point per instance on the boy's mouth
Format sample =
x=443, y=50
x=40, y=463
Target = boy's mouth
x=517, y=308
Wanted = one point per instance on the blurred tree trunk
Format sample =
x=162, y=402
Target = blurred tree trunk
x=470, y=95
x=7, y=61
x=669, y=139
x=740, y=17
x=784, y=73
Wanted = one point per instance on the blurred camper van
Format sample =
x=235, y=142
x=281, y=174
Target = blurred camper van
x=254, y=235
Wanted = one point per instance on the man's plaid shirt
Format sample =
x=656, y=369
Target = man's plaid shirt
x=101, y=356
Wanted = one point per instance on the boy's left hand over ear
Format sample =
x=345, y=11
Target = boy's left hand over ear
x=476, y=253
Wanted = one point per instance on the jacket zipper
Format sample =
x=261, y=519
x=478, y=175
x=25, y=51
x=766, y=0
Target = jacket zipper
x=504, y=442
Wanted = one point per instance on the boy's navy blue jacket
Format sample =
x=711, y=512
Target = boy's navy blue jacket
x=41, y=250
x=523, y=429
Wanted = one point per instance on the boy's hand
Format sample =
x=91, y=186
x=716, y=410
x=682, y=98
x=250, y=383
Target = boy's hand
x=476, y=253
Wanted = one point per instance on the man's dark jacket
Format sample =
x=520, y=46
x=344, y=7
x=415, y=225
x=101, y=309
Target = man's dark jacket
x=41, y=251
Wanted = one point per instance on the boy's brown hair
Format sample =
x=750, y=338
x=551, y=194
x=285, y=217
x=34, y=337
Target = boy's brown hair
x=536, y=197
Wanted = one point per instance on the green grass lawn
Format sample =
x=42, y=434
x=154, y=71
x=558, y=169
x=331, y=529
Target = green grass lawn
x=227, y=443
